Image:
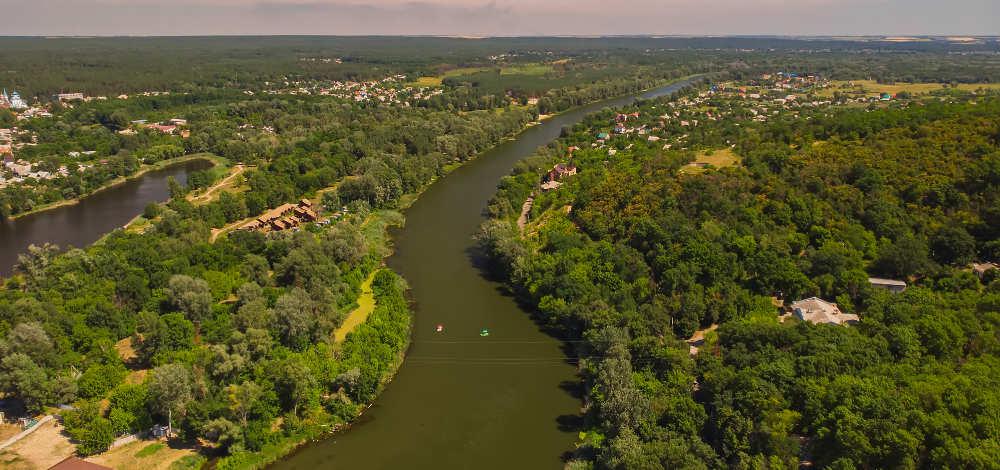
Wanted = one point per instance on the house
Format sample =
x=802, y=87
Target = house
x=550, y=185
x=168, y=129
x=816, y=310
x=980, y=269
x=603, y=136
x=178, y=122
x=284, y=217
x=890, y=285
x=73, y=463
x=885, y=97
x=69, y=96
x=559, y=171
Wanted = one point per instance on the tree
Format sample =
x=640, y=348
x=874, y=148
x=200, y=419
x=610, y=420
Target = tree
x=32, y=340
x=175, y=189
x=242, y=398
x=191, y=296
x=20, y=376
x=296, y=316
x=906, y=257
x=296, y=384
x=953, y=245
x=96, y=437
x=171, y=389
x=225, y=433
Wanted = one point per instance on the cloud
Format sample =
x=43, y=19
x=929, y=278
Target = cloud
x=499, y=17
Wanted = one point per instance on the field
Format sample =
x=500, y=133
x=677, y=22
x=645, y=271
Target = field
x=536, y=70
x=718, y=159
x=145, y=455
x=527, y=69
x=872, y=88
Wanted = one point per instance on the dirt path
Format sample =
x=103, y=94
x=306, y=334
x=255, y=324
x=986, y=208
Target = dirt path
x=207, y=195
x=366, y=305
x=525, y=210
x=698, y=338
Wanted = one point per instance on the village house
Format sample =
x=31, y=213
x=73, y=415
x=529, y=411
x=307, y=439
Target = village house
x=560, y=171
x=70, y=96
x=284, y=217
x=816, y=310
x=890, y=285
x=980, y=269
x=166, y=129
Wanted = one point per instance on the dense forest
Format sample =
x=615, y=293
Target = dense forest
x=632, y=255
x=41, y=67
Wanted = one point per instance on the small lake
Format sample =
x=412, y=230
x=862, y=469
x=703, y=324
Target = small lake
x=94, y=216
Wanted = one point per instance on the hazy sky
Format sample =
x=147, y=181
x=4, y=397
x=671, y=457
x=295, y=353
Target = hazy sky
x=499, y=17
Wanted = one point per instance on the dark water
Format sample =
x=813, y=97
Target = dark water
x=461, y=400
x=94, y=216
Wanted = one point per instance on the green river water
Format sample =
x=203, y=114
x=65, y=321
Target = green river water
x=460, y=400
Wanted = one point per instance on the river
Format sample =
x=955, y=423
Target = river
x=461, y=400
x=94, y=216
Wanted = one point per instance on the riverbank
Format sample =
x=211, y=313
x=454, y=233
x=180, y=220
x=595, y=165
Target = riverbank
x=215, y=159
x=469, y=389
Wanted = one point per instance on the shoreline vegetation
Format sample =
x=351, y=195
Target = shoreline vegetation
x=142, y=171
x=327, y=430
x=387, y=301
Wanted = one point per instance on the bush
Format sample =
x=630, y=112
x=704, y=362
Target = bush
x=96, y=437
x=99, y=379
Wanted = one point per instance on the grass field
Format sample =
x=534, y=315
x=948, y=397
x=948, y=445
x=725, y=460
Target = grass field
x=527, y=69
x=718, y=159
x=366, y=305
x=521, y=69
x=872, y=88
x=146, y=455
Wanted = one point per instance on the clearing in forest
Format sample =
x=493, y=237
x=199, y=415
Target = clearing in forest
x=230, y=182
x=717, y=159
x=366, y=305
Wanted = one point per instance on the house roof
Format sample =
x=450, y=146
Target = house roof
x=886, y=282
x=983, y=267
x=73, y=463
x=817, y=310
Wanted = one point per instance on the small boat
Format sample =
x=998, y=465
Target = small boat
x=484, y=332
x=439, y=328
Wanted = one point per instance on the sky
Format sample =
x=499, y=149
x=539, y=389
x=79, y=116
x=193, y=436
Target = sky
x=500, y=17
